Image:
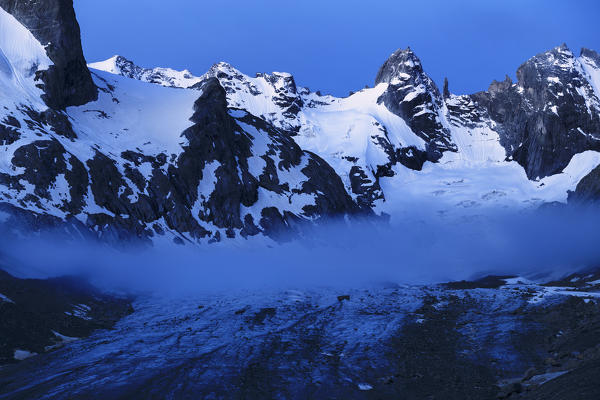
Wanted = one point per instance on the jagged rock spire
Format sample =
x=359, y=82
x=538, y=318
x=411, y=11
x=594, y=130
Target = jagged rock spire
x=402, y=61
x=413, y=96
x=446, y=90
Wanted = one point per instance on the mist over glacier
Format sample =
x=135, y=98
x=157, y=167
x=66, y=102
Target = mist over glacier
x=424, y=249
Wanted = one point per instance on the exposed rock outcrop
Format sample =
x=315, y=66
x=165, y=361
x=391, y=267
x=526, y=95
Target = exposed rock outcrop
x=413, y=96
x=54, y=25
x=588, y=189
x=550, y=114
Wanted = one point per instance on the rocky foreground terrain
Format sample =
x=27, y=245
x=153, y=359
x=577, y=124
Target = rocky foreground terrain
x=41, y=315
x=498, y=337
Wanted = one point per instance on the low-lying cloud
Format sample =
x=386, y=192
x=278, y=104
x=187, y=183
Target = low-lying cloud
x=421, y=250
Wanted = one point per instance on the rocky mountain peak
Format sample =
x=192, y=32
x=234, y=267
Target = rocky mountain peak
x=399, y=66
x=281, y=81
x=412, y=95
x=274, y=97
x=223, y=70
x=551, y=114
x=558, y=62
x=499, y=87
x=120, y=65
x=592, y=56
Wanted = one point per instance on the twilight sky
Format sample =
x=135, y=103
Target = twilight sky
x=338, y=45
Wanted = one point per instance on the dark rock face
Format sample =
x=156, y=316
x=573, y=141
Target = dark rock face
x=42, y=161
x=8, y=130
x=588, y=189
x=549, y=115
x=366, y=190
x=414, y=97
x=68, y=81
x=217, y=137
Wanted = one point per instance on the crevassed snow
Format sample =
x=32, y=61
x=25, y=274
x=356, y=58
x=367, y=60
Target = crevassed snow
x=477, y=177
x=333, y=120
x=464, y=188
x=476, y=146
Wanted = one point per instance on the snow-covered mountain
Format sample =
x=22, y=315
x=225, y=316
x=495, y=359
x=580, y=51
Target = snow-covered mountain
x=159, y=154
x=403, y=141
x=163, y=76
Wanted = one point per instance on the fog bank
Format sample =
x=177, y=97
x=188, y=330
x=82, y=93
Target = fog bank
x=417, y=251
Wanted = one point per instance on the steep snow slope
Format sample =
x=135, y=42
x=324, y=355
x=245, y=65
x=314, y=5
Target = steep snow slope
x=21, y=56
x=590, y=63
x=133, y=115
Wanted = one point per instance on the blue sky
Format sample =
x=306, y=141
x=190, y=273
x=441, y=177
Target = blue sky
x=338, y=45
